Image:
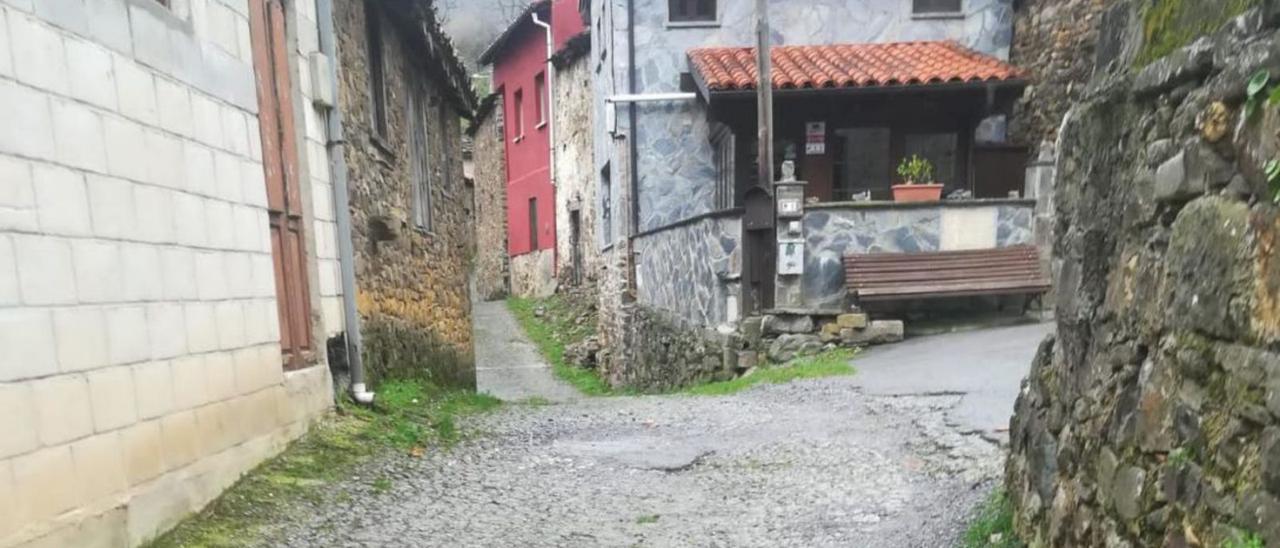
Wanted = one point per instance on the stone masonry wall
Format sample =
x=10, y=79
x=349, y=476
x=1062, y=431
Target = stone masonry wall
x=1055, y=41
x=140, y=364
x=412, y=281
x=691, y=271
x=491, y=270
x=575, y=172
x=1153, y=417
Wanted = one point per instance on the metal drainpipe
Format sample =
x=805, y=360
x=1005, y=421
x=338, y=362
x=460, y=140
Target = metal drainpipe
x=551, y=130
x=633, y=118
x=342, y=209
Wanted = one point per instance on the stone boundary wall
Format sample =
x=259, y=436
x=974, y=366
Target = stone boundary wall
x=1152, y=418
x=491, y=267
x=691, y=270
x=834, y=230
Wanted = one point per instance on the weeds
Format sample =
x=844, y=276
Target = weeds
x=993, y=526
x=554, y=323
x=827, y=364
x=647, y=519
x=1244, y=539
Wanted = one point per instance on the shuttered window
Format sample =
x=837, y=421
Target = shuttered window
x=935, y=6
x=419, y=156
x=377, y=69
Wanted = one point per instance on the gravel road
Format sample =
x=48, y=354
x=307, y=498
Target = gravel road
x=813, y=463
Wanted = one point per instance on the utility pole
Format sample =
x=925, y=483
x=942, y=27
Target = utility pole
x=764, y=98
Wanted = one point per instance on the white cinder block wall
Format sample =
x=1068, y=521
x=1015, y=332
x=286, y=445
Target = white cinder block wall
x=140, y=368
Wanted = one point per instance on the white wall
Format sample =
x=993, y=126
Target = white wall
x=140, y=368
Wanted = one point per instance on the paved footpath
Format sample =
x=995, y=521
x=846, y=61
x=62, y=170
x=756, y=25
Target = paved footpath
x=825, y=462
x=508, y=365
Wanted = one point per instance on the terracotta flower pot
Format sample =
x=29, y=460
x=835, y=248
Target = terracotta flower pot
x=917, y=193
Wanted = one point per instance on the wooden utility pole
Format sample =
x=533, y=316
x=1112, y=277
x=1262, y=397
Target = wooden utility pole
x=764, y=98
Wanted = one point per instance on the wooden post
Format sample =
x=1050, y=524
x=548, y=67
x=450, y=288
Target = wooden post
x=764, y=97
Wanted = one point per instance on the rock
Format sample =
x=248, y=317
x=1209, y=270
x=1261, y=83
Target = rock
x=791, y=346
x=1160, y=150
x=781, y=324
x=1214, y=122
x=877, y=332
x=1238, y=188
x=1260, y=512
x=1184, y=65
x=1270, y=455
x=856, y=321
x=752, y=330
x=1127, y=491
x=584, y=354
x=748, y=359
x=1106, y=471
x=1194, y=171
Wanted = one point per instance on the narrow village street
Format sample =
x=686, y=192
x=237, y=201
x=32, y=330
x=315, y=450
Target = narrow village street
x=811, y=463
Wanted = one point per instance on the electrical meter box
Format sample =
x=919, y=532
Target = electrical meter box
x=790, y=201
x=791, y=256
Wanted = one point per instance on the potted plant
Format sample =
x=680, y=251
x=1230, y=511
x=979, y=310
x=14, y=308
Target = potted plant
x=917, y=181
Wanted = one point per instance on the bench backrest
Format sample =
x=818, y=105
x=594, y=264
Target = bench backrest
x=883, y=276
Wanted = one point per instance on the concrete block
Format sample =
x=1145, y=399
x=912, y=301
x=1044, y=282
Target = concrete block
x=967, y=228
x=99, y=468
x=102, y=530
x=99, y=276
x=228, y=171
x=231, y=328
x=92, y=77
x=264, y=276
x=181, y=436
x=62, y=201
x=178, y=267
x=211, y=276
x=67, y=14
x=855, y=321
x=156, y=507
x=63, y=412
x=235, y=131
x=198, y=171
x=245, y=224
x=166, y=330
x=190, y=382
x=39, y=57
x=136, y=89
x=45, y=272
x=154, y=221
x=127, y=339
x=127, y=154
x=17, y=406
x=150, y=30
x=220, y=368
x=111, y=397
x=217, y=431
x=45, y=482
x=165, y=164
x=221, y=25
x=9, y=292
x=25, y=108
x=253, y=182
x=188, y=219
x=142, y=272
x=82, y=338
x=6, y=60
x=258, y=368
x=174, y=103
x=17, y=196
x=220, y=227
x=26, y=334
x=153, y=384
x=109, y=23
x=8, y=493
x=111, y=205
x=202, y=327
x=142, y=451
x=206, y=120
x=239, y=269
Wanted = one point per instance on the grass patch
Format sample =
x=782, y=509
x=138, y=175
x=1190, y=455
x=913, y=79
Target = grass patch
x=554, y=323
x=1244, y=539
x=407, y=416
x=644, y=520
x=993, y=526
x=827, y=364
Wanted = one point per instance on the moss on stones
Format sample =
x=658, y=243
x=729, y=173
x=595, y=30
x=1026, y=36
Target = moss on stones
x=1170, y=24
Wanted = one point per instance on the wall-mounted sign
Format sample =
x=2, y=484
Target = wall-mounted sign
x=815, y=138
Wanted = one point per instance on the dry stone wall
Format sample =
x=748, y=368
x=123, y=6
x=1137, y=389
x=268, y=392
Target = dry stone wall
x=491, y=268
x=1152, y=418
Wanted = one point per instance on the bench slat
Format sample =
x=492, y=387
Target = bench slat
x=888, y=276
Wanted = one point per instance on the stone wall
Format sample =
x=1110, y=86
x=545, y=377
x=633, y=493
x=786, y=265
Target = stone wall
x=833, y=231
x=1055, y=42
x=533, y=274
x=575, y=173
x=664, y=353
x=491, y=267
x=1153, y=417
x=412, y=281
x=691, y=271
x=140, y=360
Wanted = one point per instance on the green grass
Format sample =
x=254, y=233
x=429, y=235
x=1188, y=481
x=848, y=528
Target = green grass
x=995, y=518
x=553, y=331
x=1244, y=539
x=644, y=520
x=406, y=416
x=827, y=364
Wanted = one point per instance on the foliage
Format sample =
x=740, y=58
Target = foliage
x=554, y=323
x=993, y=526
x=644, y=520
x=1170, y=24
x=915, y=170
x=1244, y=539
x=1257, y=88
x=407, y=416
x=827, y=364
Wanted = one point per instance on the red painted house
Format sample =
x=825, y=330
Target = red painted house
x=522, y=75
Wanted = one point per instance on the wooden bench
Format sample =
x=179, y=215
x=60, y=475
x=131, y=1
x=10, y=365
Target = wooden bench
x=897, y=276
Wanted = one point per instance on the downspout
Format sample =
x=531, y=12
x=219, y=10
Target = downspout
x=551, y=132
x=633, y=120
x=342, y=210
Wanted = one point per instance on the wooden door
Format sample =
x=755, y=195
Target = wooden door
x=280, y=162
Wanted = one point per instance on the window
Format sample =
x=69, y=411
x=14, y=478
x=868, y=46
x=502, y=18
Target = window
x=442, y=113
x=930, y=7
x=606, y=204
x=862, y=168
x=377, y=74
x=939, y=149
x=517, y=114
x=419, y=160
x=540, y=88
x=533, y=224
x=723, y=156
x=691, y=11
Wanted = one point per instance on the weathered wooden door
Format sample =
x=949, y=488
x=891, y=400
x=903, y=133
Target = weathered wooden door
x=280, y=162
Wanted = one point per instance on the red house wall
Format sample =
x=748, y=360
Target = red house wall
x=566, y=22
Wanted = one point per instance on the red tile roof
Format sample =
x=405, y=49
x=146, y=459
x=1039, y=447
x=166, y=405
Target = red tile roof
x=851, y=65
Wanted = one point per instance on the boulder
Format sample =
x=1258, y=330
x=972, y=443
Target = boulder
x=791, y=346
x=856, y=321
x=877, y=332
x=782, y=324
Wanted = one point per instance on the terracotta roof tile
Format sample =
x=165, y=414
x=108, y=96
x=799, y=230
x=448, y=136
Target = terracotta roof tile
x=851, y=65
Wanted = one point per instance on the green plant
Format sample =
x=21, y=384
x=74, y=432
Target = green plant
x=915, y=170
x=827, y=364
x=993, y=526
x=1179, y=456
x=552, y=324
x=1244, y=539
x=644, y=520
x=1272, y=169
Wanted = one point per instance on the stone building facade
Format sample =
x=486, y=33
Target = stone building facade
x=409, y=203
x=491, y=266
x=577, y=244
x=1152, y=418
x=142, y=369
x=1056, y=42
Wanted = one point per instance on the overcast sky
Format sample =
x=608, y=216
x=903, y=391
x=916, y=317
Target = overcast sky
x=473, y=24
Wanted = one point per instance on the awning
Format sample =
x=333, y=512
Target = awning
x=732, y=70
